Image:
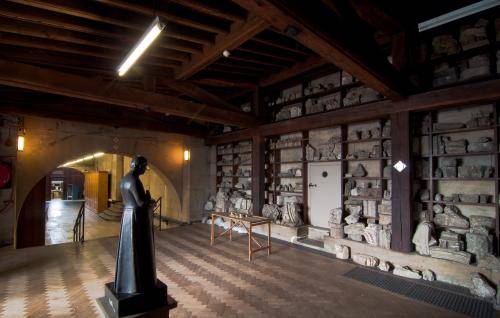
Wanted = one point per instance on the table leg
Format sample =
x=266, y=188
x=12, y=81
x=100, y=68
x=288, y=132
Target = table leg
x=269, y=238
x=250, y=242
x=212, y=231
x=231, y=229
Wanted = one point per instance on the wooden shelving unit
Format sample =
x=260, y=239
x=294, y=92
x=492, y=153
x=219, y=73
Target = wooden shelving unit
x=232, y=153
x=434, y=184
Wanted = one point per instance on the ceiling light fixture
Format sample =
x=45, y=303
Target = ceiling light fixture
x=457, y=14
x=144, y=42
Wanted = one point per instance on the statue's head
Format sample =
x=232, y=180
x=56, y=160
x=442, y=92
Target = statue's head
x=139, y=164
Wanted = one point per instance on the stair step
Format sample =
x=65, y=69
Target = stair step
x=311, y=242
x=108, y=217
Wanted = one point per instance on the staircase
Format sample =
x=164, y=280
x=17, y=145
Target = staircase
x=113, y=212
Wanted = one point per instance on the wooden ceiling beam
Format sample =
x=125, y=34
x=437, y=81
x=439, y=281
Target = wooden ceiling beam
x=261, y=53
x=378, y=17
x=196, y=92
x=60, y=21
x=207, y=8
x=106, y=115
x=217, y=82
x=150, y=11
x=50, y=33
x=240, y=33
x=297, y=69
x=270, y=43
x=45, y=80
x=78, y=50
x=329, y=38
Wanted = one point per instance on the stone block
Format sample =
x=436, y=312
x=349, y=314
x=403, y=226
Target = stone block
x=451, y=240
x=428, y=275
x=355, y=237
x=365, y=260
x=341, y=251
x=437, y=208
x=335, y=216
x=337, y=230
x=456, y=146
x=481, y=146
x=481, y=287
x=469, y=198
x=354, y=229
x=352, y=219
x=384, y=219
x=447, y=126
x=449, y=172
x=406, y=272
x=484, y=221
x=455, y=256
x=451, y=218
x=359, y=171
x=484, y=198
x=478, y=244
x=371, y=234
x=448, y=162
x=384, y=266
x=385, y=236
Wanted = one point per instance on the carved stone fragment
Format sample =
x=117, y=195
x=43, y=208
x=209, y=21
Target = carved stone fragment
x=481, y=287
x=354, y=229
x=341, y=251
x=423, y=239
x=359, y=171
x=384, y=266
x=406, y=272
x=365, y=260
x=479, y=244
x=480, y=220
x=447, y=254
x=451, y=218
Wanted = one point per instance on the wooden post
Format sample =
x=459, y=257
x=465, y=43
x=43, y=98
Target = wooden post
x=402, y=198
x=212, y=230
x=258, y=176
x=250, y=242
x=269, y=238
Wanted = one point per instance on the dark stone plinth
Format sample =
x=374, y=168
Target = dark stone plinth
x=155, y=303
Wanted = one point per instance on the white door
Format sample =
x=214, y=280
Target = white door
x=324, y=185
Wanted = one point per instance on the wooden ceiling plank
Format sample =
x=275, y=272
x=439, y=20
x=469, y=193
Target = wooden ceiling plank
x=84, y=51
x=149, y=11
x=217, y=82
x=196, y=92
x=207, y=8
x=333, y=45
x=240, y=33
x=67, y=23
x=50, y=33
x=295, y=70
x=266, y=54
x=45, y=80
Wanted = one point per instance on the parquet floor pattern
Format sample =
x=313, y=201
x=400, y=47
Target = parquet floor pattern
x=64, y=281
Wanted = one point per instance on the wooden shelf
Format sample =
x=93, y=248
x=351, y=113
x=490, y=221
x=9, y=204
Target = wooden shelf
x=358, y=197
x=285, y=162
x=459, y=179
x=286, y=192
x=483, y=153
x=368, y=159
x=459, y=203
x=367, y=178
x=459, y=130
x=288, y=147
x=280, y=177
x=365, y=140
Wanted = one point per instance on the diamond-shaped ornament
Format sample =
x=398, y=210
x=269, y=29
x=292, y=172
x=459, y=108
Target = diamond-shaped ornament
x=399, y=166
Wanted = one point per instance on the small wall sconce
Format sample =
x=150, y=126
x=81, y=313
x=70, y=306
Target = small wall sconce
x=187, y=155
x=20, y=140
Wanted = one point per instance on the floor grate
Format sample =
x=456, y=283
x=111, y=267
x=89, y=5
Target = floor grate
x=450, y=297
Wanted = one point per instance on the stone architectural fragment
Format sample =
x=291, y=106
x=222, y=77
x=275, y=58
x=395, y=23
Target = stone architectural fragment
x=385, y=236
x=335, y=216
x=481, y=287
x=365, y=260
x=480, y=220
x=359, y=171
x=337, y=230
x=428, y=275
x=371, y=234
x=341, y=251
x=423, y=239
x=479, y=244
x=354, y=229
x=451, y=240
x=384, y=266
x=406, y=272
x=451, y=218
x=456, y=256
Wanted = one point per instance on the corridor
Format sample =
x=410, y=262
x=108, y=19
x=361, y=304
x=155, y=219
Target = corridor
x=61, y=216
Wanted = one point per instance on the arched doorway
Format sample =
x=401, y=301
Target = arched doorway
x=64, y=198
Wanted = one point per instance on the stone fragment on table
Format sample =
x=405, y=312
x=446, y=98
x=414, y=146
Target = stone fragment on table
x=406, y=272
x=481, y=287
x=482, y=221
x=365, y=260
x=428, y=275
x=447, y=254
x=341, y=251
x=384, y=266
x=451, y=218
x=271, y=211
x=423, y=238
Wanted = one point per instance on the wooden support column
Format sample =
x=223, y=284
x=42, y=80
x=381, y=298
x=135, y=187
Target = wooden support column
x=258, y=175
x=402, y=216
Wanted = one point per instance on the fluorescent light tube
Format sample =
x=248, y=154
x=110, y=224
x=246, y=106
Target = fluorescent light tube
x=458, y=14
x=145, y=41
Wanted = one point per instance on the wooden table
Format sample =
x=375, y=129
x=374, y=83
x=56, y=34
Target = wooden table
x=248, y=222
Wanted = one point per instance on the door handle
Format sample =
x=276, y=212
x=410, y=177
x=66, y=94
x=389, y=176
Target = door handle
x=312, y=185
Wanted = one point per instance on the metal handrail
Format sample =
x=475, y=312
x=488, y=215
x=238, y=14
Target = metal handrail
x=79, y=227
x=157, y=207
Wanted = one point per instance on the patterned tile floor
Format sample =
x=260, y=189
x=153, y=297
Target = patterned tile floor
x=64, y=281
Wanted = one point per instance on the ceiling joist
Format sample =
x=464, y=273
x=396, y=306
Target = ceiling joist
x=45, y=80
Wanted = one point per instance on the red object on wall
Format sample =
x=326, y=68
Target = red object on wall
x=5, y=175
